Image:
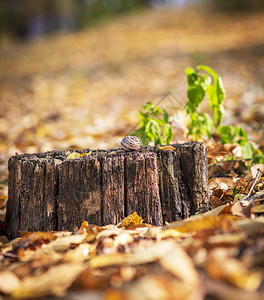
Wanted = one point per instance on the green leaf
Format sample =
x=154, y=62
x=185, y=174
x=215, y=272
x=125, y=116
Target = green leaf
x=153, y=130
x=205, y=81
x=168, y=133
x=200, y=124
x=240, y=135
x=226, y=134
x=154, y=125
x=216, y=93
x=258, y=157
x=195, y=95
x=247, y=151
x=192, y=75
x=165, y=116
x=232, y=134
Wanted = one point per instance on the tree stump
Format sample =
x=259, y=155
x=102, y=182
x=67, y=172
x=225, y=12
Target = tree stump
x=49, y=192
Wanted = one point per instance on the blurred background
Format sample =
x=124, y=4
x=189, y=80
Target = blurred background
x=74, y=74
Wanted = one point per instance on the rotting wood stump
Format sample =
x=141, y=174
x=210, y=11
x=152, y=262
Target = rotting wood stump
x=49, y=192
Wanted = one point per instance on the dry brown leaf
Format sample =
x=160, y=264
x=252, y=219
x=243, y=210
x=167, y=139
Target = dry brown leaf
x=96, y=279
x=171, y=232
x=61, y=244
x=254, y=169
x=145, y=255
x=54, y=282
x=158, y=287
x=223, y=290
x=252, y=227
x=204, y=222
x=35, y=240
x=233, y=271
x=101, y=261
x=216, y=182
x=178, y=263
x=227, y=240
x=239, y=209
x=223, y=209
x=79, y=254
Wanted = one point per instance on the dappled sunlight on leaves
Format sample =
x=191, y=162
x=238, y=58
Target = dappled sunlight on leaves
x=71, y=92
x=117, y=261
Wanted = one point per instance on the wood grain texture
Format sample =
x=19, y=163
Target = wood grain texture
x=49, y=192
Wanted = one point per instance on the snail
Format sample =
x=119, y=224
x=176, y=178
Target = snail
x=129, y=143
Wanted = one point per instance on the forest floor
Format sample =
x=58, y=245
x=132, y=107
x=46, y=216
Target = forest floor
x=84, y=90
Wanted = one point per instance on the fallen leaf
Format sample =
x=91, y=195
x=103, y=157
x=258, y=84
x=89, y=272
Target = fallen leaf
x=216, y=182
x=35, y=240
x=130, y=221
x=86, y=154
x=157, y=287
x=239, y=209
x=9, y=282
x=223, y=290
x=171, y=148
x=226, y=240
x=258, y=208
x=178, y=263
x=101, y=261
x=171, y=232
x=78, y=254
x=53, y=282
x=234, y=272
x=223, y=209
x=204, y=222
x=152, y=253
x=61, y=244
x=254, y=169
x=252, y=227
x=73, y=155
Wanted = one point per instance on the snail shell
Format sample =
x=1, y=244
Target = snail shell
x=129, y=143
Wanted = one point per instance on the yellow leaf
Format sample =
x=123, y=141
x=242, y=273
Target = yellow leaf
x=204, y=222
x=86, y=154
x=131, y=220
x=100, y=261
x=171, y=148
x=73, y=155
x=174, y=233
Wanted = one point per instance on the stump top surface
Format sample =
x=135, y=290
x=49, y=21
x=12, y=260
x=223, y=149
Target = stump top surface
x=61, y=155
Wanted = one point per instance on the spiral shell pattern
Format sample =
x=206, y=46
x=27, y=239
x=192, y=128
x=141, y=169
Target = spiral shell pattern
x=129, y=143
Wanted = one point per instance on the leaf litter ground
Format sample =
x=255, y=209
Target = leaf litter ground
x=69, y=92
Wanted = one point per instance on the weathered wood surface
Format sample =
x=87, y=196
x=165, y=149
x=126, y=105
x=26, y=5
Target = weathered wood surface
x=49, y=192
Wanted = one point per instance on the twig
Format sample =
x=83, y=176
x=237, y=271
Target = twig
x=252, y=187
x=252, y=199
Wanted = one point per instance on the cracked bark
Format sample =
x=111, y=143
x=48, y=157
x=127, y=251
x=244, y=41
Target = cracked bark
x=49, y=192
